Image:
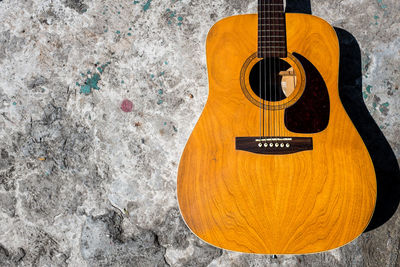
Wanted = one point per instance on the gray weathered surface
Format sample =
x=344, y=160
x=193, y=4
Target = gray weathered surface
x=83, y=183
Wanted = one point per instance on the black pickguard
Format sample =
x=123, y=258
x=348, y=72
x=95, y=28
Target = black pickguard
x=310, y=114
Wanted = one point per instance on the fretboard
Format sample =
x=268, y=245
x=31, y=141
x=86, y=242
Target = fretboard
x=271, y=29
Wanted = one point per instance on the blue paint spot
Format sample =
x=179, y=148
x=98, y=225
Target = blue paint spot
x=101, y=69
x=159, y=102
x=135, y=2
x=129, y=34
x=162, y=73
x=172, y=13
x=118, y=32
x=85, y=89
x=147, y=5
x=92, y=80
x=165, y=123
x=166, y=62
x=160, y=92
x=376, y=19
x=14, y=103
x=380, y=2
x=152, y=76
x=180, y=18
x=365, y=95
x=369, y=89
x=122, y=82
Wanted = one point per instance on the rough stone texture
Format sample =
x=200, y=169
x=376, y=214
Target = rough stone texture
x=83, y=183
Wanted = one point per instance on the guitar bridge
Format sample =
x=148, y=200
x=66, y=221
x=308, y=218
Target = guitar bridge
x=274, y=145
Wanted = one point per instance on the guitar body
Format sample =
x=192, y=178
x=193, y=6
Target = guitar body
x=295, y=203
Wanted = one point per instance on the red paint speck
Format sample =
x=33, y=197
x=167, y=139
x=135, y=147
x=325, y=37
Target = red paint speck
x=127, y=105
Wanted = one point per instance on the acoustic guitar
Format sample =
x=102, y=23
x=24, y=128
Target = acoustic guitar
x=274, y=164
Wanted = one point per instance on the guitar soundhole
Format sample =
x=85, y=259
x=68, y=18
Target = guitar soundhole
x=272, y=79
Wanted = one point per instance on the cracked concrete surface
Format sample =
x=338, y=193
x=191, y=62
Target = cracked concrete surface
x=83, y=183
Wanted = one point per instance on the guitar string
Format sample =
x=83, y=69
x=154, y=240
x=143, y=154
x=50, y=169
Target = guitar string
x=279, y=70
x=274, y=72
x=265, y=69
x=265, y=76
x=269, y=7
x=279, y=80
x=274, y=64
x=259, y=73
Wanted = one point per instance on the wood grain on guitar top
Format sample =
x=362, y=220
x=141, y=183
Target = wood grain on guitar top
x=299, y=203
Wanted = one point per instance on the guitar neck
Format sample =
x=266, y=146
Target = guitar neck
x=271, y=29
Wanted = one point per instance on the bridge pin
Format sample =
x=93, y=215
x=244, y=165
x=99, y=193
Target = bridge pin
x=259, y=145
x=271, y=144
x=287, y=145
x=277, y=145
x=265, y=145
x=282, y=145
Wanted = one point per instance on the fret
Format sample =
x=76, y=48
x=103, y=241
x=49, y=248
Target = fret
x=272, y=24
x=270, y=11
x=268, y=24
x=270, y=30
x=276, y=55
x=273, y=48
x=264, y=17
x=278, y=19
x=272, y=51
x=274, y=42
x=272, y=37
x=270, y=4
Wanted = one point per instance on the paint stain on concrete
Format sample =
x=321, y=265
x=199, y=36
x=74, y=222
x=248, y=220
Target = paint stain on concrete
x=147, y=5
x=376, y=17
x=384, y=108
x=126, y=105
x=381, y=4
x=367, y=91
x=90, y=83
x=173, y=18
x=92, y=80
